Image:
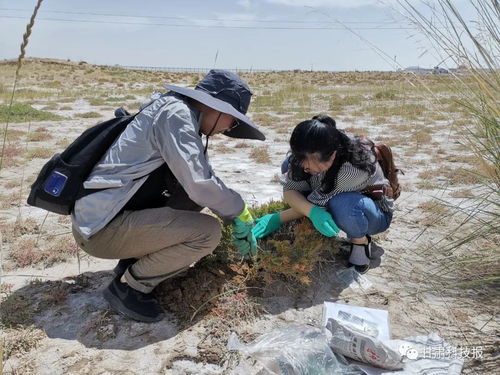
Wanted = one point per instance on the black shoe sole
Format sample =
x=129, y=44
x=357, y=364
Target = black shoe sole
x=118, y=305
x=359, y=269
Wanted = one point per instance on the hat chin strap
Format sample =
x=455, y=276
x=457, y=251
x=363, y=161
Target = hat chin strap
x=210, y=133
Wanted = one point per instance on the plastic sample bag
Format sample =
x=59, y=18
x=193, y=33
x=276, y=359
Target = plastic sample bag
x=353, y=279
x=294, y=350
x=357, y=323
x=352, y=340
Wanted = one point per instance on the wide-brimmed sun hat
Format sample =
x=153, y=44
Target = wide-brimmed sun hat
x=225, y=92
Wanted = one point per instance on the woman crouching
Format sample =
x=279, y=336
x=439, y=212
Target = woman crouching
x=324, y=177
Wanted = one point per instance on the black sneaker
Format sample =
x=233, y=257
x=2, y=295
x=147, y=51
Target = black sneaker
x=132, y=303
x=360, y=257
x=122, y=266
x=362, y=269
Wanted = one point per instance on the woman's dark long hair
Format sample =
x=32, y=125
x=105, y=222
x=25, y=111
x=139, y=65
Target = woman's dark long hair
x=320, y=135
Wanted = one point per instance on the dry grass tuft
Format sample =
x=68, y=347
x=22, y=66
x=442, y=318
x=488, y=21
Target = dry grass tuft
x=25, y=252
x=15, y=311
x=241, y=145
x=11, y=231
x=88, y=115
x=260, y=154
x=223, y=148
x=39, y=153
x=436, y=213
x=9, y=200
x=20, y=340
x=462, y=176
x=102, y=327
x=39, y=135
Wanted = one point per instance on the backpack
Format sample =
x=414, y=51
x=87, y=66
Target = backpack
x=60, y=182
x=386, y=161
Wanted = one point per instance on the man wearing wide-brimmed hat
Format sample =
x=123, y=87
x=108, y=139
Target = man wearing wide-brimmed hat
x=155, y=179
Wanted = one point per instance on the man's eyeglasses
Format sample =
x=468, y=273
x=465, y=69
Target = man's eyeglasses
x=234, y=125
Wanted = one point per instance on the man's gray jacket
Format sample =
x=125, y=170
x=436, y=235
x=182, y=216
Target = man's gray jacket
x=167, y=130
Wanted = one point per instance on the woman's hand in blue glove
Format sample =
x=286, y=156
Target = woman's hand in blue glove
x=323, y=222
x=266, y=225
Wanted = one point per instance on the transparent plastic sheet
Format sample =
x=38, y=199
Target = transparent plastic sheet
x=428, y=355
x=353, y=279
x=294, y=350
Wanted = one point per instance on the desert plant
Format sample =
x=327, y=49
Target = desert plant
x=39, y=152
x=26, y=252
x=22, y=112
x=475, y=46
x=389, y=94
x=89, y=115
x=260, y=154
x=16, y=319
x=38, y=136
x=292, y=254
x=292, y=251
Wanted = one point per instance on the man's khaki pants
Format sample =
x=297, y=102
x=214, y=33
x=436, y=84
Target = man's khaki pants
x=165, y=241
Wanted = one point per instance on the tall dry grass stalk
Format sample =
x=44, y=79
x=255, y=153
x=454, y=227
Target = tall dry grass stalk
x=470, y=256
x=20, y=58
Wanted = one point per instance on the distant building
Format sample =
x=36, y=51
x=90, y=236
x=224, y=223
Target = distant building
x=418, y=70
x=460, y=69
x=439, y=70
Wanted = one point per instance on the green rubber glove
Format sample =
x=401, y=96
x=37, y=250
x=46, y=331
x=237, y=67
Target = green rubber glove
x=323, y=222
x=266, y=225
x=243, y=238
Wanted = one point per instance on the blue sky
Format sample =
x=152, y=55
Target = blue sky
x=259, y=34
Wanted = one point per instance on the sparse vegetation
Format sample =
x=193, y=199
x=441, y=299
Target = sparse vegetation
x=39, y=135
x=21, y=340
x=39, y=152
x=21, y=112
x=223, y=148
x=25, y=252
x=260, y=154
x=435, y=213
x=241, y=145
x=89, y=115
x=389, y=107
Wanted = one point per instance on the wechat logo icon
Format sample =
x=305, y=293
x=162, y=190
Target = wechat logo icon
x=408, y=351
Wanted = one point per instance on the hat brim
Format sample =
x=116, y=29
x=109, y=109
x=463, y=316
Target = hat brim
x=246, y=129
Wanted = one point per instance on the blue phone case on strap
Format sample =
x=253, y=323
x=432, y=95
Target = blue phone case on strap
x=55, y=183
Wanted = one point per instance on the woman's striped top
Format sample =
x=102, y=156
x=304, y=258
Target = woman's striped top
x=349, y=178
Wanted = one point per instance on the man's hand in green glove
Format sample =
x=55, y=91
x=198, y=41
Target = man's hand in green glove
x=323, y=222
x=243, y=238
x=266, y=225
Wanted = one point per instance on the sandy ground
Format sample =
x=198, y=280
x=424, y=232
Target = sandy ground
x=82, y=336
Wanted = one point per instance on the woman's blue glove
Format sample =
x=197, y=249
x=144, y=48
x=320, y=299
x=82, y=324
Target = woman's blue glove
x=243, y=238
x=323, y=222
x=266, y=225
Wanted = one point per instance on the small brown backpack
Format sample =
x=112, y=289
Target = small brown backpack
x=386, y=161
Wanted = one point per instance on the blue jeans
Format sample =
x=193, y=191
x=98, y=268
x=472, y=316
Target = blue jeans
x=357, y=215
x=354, y=213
